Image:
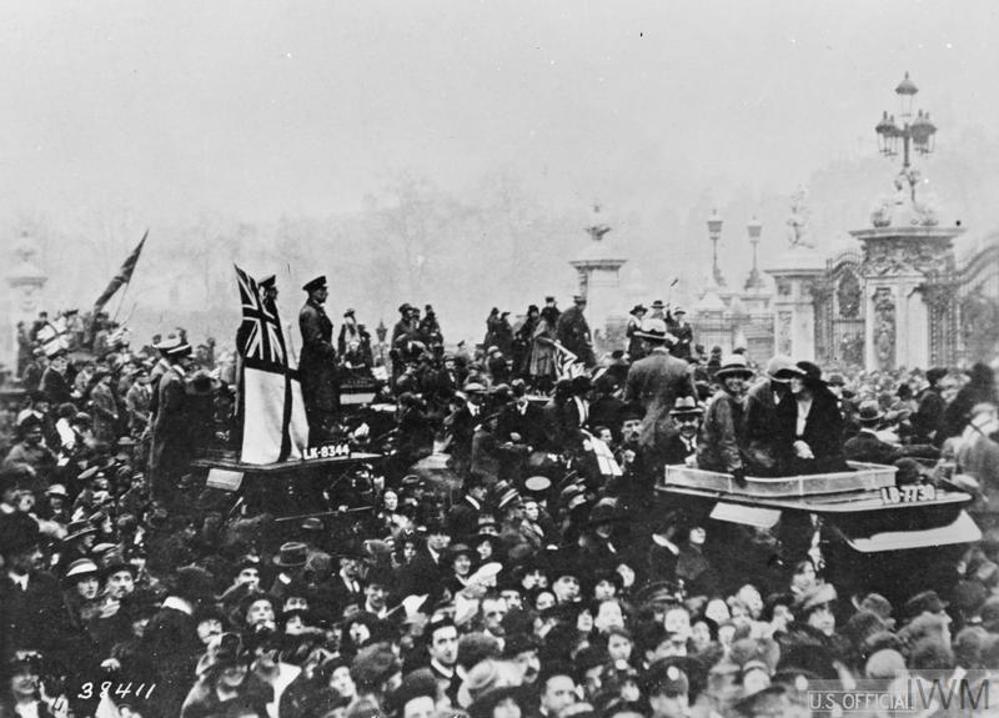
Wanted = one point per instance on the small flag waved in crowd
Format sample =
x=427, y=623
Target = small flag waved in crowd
x=274, y=424
x=124, y=275
x=567, y=363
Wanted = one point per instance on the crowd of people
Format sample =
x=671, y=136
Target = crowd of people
x=526, y=577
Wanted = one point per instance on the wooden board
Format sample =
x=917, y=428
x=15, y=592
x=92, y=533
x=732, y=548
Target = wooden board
x=286, y=466
x=865, y=477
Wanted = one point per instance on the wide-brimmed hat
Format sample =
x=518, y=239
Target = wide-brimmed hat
x=56, y=490
x=870, y=413
x=927, y=601
x=292, y=554
x=685, y=405
x=815, y=596
x=734, y=365
x=781, y=368
x=658, y=304
x=81, y=568
x=810, y=372
x=638, y=308
x=509, y=497
x=79, y=529
x=487, y=526
x=604, y=511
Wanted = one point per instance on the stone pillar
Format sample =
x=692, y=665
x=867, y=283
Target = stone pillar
x=23, y=298
x=796, y=272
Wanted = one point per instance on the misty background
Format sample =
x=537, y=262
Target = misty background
x=451, y=152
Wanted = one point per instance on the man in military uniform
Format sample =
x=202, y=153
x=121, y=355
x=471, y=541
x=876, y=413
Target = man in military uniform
x=574, y=333
x=317, y=363
x=677, y=325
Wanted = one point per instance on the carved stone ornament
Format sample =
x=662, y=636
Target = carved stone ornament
x=784, y=333
x=902, y=255
x=979, y=323
x=884, y=328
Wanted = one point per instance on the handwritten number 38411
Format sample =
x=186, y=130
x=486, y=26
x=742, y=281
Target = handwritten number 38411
x=119, y=690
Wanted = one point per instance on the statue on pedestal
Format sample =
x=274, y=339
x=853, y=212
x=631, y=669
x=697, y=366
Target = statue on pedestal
x=798, y=221
x=884, y=328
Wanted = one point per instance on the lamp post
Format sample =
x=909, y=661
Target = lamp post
x=754, y=228
x=917, y=134
x=714, y=232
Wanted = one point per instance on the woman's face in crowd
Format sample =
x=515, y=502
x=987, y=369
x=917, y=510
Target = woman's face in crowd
x=342, y=683
x=823, y=619
x=294, y=626
x=604, y=589
x=391, y=501
x=462, y=565
x=609, y=615
x=359, y=633
x=677, y=624
x=804, y=577
x=544, y=600
x=88, y=587
x=24, y=683
x=209, y=629
x=619, y=648
x=260, y=613
x=408, y=551
x=700, y=632
x=584, y=621
x=797, y=385
x=485, y=550
x=531, y=510
x=735, y=384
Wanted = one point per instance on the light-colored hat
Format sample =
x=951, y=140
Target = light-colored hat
x=734, y=365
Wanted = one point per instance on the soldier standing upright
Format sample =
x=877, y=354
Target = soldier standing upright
x=317, y=363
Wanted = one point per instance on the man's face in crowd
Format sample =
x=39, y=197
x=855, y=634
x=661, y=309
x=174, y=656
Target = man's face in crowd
x=823, y=619
x=296, y=603
x=260, y=613
x=606, y=436
x=609, y=615
x=233, y=676
x=444, y=645
x=351, y=567
x=687, y=424
x=558, y=693
x=359, y=633
x=566, y=588
x=534, y=579
x=319, y=295
x=60, y=364
x=26, y=561
x=120, y=584
x=494, y=610
x=438, y=541
x=33, y=436
x=630, y=430
x=531, y=510
x=529, y=664
x=248, y=576
x=544, y=600
x=376, y=595
x=208, y=629
x=677, y=624
x=512, y=599
x=391, y=500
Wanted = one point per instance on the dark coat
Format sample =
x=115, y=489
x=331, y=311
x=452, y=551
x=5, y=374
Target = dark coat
x=171, y=640
x=721, y=434
x=656, y=381
x=928, y=421
x=463, y=520
x=675, y=451
x=317, y=362
x=574, y=334
x=34, y=619
x=867, y=447
x=759, y=419
x=172, y=444
x=55, y=387
x=530, y=425
x=823, y=433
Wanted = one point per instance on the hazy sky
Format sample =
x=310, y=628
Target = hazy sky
x=256, y=109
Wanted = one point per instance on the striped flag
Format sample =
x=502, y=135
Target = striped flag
x=124, y=275
x=274, y=424
x=567, y=363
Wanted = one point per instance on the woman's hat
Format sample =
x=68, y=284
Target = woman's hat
x=459, y=549
x=79, y=529
x=781, y=368
x=292, y=554
x=80, y=568
x=653, y=329
x=734, y=365
x=56, y=490
x=638, y=309
x=810, y=372
x=488, y=527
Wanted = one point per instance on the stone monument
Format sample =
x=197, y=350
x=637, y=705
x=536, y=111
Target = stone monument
x=23, y=298
x=598, y=273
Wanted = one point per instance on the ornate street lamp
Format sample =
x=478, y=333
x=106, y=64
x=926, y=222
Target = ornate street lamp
x=755, y=229
x=714, y=232
x=919, y=133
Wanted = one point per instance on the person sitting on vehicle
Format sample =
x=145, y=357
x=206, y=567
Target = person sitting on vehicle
x=761, y=415
x=809, y=425
x=720, y=446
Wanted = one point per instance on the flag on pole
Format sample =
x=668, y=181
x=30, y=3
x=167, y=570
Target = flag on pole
x=274, y=424
x=124, y=275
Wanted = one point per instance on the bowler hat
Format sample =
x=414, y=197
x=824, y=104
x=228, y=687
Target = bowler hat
x=292, y=554
x=869, y=413
x=315, y=284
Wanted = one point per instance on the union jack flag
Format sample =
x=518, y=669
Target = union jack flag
x=259, y=340
x=567, y=363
